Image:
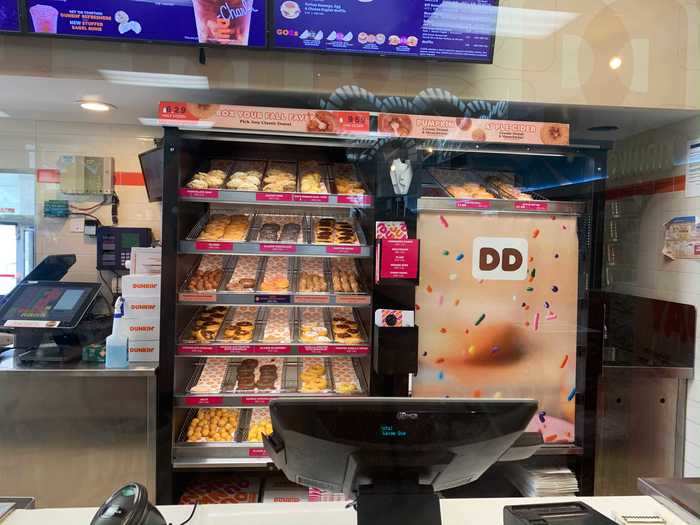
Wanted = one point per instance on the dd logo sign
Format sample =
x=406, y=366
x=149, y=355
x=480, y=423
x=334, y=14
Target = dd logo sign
x=499, y=258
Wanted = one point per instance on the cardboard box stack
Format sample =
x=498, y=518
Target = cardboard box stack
x=141, y=324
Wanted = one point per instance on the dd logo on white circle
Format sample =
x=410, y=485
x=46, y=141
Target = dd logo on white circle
x=499, y=258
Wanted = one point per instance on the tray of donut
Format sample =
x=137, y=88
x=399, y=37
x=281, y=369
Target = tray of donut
x=243, y=324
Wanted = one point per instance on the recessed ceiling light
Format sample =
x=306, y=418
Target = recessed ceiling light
x=604, y=128
x=92, y=105
x=615, y=63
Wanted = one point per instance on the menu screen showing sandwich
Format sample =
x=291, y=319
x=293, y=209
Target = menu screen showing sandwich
x=444, y=29
x=46, y=303
x=9, y=15
x=196, y=22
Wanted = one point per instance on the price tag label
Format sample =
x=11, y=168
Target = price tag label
x=256, y=400
x=204, y=401
x=471, y=204
x=531, y=205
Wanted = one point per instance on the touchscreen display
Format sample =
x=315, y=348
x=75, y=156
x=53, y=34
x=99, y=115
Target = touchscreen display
x=46, y=303
x=445, y=29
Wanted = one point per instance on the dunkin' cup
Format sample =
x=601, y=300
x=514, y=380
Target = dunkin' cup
x=225, y=22
x=44, y=18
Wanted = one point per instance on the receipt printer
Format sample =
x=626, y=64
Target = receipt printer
x=566, y=513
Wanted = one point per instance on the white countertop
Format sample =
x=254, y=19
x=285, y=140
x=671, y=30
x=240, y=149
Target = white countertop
x=454, y=512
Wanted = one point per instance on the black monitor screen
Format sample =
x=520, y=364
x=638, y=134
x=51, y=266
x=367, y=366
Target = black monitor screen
x=447, y=30
x=58, y=304
x=152, y=169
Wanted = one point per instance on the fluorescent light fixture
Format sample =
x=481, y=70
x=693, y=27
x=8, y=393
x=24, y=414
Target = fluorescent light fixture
x=4, y=115
x=93, y=105
x=162, y=80
x=512, y=21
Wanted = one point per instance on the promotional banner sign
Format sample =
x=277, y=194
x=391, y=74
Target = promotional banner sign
x=497, y=306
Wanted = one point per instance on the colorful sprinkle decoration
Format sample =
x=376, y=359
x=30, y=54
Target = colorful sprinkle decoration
x=555, y=288
x=550, y=438
x=444, y=222
x=535, y=233
x=440, y=360
x=460, y=257
x=446, y=252
x=495, y=349
x=571, y=394
x=533, y=273
x=556, y=255
x=457, y=301
x=480, y=319
x=441, y=376
x=546, y=304
x=476, y=393
x=453, y=277
x=536, y=322
x=471, y=350
x=551, y=316
x=429, y=289
x=441, y=300
x=529, y=289
x=541, y=416
x=564, y=361
x=443, y=330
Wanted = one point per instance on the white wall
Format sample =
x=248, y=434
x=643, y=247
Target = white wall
x=28, y=145
x=658, y=157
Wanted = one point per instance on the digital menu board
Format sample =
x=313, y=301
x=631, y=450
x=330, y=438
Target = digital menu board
x=9, y=15
x=443, y=29
x=197, y=22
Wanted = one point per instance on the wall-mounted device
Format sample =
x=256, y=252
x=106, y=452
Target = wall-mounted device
x=86, y=175
x=114, y=245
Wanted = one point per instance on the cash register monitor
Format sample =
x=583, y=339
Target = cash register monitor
x=39, y=311
x=392, y=454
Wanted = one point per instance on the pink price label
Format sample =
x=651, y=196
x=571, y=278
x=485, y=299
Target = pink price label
x=696, y=249
x=273, y=349
x=195, y=350
x=263, y=196
x=471, y=204
x=213, y=246
x=194, y=297
x=312, y=299
x=256, y=401
x=199, y=194
x=278, y=248
x=257, y=453
x=353, y=299
x=358, y=200
x=236, y=349
x=531, y=205
x=204, y=401
x=340, y=350
x=351, y=350
x=310, y=197
x=344, y=250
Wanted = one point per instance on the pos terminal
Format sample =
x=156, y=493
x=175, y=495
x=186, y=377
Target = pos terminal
x=53, y=320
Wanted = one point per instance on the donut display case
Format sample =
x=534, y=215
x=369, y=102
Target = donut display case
x=268, y=257
x=277, y=239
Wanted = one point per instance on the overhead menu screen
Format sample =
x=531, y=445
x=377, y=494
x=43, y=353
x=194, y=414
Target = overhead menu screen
x=451, y=30
x=52, y=305
x=196, y=22
x=9, y=15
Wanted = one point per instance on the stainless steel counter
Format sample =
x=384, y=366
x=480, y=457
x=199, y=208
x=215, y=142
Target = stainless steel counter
x=680, y=495
x=71, y=434
x=9, y=364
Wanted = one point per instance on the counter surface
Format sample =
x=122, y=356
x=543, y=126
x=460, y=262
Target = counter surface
x=8, y=364
x=454, y=512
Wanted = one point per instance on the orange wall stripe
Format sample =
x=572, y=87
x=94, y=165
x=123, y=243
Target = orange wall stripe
x=667, y=185
x=128, y=178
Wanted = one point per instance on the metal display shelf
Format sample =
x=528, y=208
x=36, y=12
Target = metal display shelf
x=293, y=297
x=279, y=199
x=290, y=384
x=238, y=452
x=537, y=207
x=249, y=247
x=276, y=299
x=259, y=350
